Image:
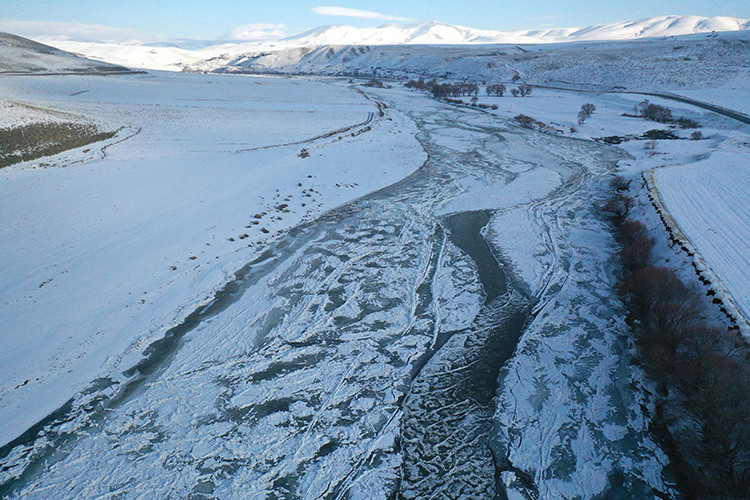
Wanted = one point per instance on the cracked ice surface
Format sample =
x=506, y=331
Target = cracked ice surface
x=311, y=382
x=567, y=414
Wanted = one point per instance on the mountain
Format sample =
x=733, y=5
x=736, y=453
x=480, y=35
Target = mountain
x=430, y=33
x=176, y=55
x=20, y=55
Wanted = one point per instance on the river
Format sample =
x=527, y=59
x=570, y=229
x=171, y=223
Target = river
x=358, y=355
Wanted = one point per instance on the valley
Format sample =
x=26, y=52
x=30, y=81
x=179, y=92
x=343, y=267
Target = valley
x=274, y=278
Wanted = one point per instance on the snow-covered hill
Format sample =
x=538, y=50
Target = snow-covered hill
x=179, y=54
x=651, y=64
x=21, y=55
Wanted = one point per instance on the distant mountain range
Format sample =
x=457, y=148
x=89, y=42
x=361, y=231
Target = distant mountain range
x=177, y=54
x=440, y=33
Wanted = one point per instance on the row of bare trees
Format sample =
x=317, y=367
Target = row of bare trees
x=662, y=114
x=701, y=370
x=444, y=89
x=496, y=89
x=499, y=89
x=441, y=90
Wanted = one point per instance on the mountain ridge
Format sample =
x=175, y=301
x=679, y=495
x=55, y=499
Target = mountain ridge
x=435, y=32
x=176, y=55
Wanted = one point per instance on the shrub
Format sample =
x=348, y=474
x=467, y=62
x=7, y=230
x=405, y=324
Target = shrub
x=703, y=405
x=618, y=208
x=496, y=89
x=586, y=111
x=620, y=183
x=529, y=122
x=687, y=123
x=658, y=113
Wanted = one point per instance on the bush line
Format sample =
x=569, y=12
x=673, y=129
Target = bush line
x=702, y=404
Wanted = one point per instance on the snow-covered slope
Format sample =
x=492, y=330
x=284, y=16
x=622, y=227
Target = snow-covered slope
x=21, y=55
x=152, y=56
x=649, y=64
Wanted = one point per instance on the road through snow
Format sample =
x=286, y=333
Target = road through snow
x=358, y=355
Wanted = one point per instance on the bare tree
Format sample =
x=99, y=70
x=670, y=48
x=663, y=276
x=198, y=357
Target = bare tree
x=496, y=89
x=619, y=183
x=588, y=108
x=618, y=208
x=586, y=111
x=514, y=92
x=524, y=90
x=640, y=108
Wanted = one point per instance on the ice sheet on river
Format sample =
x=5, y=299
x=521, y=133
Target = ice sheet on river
x=569, y=421
x=313, y=379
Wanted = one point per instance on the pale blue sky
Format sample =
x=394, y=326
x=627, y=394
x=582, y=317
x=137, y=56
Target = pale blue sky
x=151, y=19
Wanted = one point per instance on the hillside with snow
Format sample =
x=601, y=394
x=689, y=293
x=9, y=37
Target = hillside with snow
x=651, y=64
x=23, y=56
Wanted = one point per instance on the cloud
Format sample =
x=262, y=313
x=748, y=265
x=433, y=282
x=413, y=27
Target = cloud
x=257, y=32
x=68, y=31
x=361, y=14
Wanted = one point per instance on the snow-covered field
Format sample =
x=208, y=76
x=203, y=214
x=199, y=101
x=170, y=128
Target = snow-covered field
x=733, y=94
x=709, y=200
x=106, y=247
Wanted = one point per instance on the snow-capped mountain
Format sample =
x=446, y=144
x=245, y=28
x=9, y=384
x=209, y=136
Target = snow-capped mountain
x=440, y=33
x=177, y=55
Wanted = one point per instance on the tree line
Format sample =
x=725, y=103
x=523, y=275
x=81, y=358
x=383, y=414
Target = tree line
x=443, y=90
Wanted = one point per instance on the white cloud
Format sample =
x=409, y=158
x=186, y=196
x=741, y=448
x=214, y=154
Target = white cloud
x=68, y=31
x=257, y=32
x=361, y=14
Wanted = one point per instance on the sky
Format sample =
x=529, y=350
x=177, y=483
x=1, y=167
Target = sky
x=120, y=20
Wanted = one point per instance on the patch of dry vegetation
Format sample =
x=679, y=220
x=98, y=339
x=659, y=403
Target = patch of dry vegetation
x=32, y=141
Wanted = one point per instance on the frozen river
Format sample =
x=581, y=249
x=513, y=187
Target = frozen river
x=374, y=352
